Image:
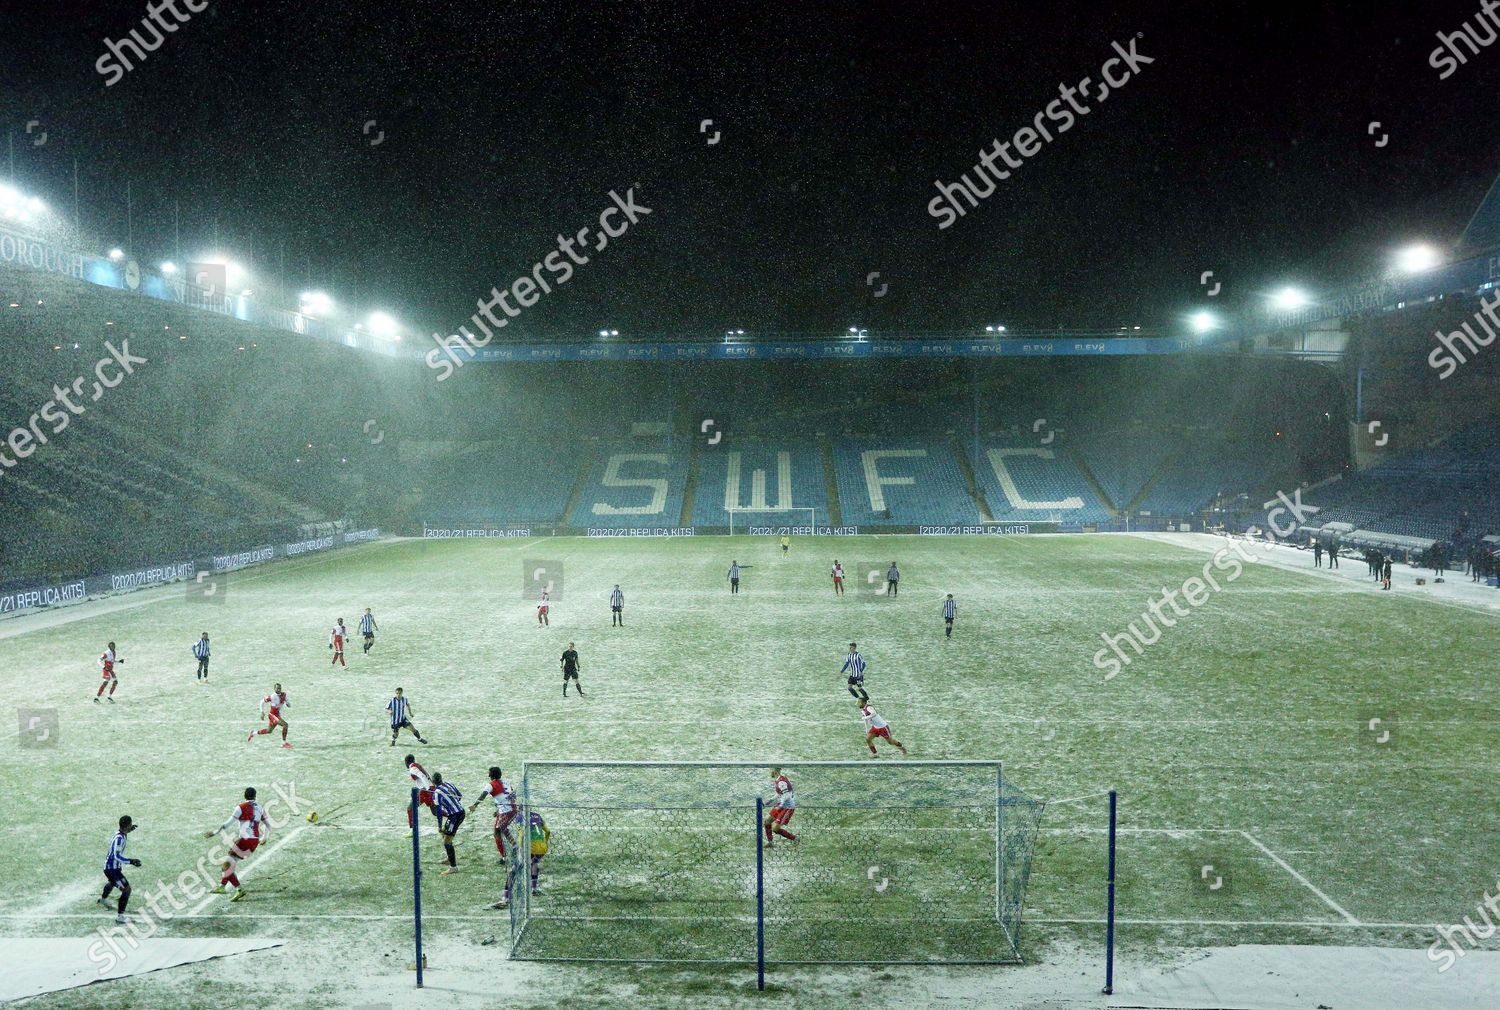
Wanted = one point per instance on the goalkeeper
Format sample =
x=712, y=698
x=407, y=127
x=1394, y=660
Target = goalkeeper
x=538, y=834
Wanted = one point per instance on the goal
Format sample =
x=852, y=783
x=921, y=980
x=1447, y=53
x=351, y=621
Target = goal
x=901, y=862
x=773, y=522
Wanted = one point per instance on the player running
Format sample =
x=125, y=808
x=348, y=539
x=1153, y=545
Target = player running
x=544, y=605
x=538, y=835
x=617, y=608
x=838, y=578
x=336, y=643
x=783, y=806
x=249, y=821
x=114, y=869
x=569, y=663
x=447, y=805
x=276, y=702
x=854, y=665
x=950, y=611
x=200, y=653
x=876, y=727
x=423, y=783
x=107, y=661
x=505, y=807
x=401, y=713
x=367, y=628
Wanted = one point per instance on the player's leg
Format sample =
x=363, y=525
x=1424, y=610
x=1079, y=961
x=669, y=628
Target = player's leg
x=577, y=685
x=870, y=741
x=896, y=743
x=536, y=873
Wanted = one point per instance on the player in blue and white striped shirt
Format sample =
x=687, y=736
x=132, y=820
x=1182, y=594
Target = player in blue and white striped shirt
x=448, y=807
x=114, y=867
x=367, y=629
x=200, y=652
x=400, y=711
x=855, y=667
x=617, y=607
x=950, y=611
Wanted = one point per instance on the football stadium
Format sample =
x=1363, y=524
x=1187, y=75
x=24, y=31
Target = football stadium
x=1071, y=582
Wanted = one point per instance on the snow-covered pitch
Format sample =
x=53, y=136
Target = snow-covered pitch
x=1300, y=757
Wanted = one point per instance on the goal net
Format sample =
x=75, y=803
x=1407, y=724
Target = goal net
x=772, y=522
x=895, y=862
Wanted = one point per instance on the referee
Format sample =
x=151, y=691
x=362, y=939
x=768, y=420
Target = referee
x=950, y=611
x=200, y=650
x=570, y=669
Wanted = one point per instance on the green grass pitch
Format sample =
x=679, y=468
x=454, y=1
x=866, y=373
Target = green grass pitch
x=1239, y=742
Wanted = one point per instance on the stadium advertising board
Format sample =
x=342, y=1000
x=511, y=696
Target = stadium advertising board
x=242, y=559
x=164, y=572
x=32, y=254
x=803, y=350
x=649, y=531
x=457, y=532
x=806, y=531
x=1003, y=529
x=42, y=596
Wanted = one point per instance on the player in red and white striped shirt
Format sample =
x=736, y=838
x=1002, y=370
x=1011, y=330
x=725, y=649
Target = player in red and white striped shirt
x=783, y=806
x=336, y=643
x=107, y=661
x=271, y=709
x=876, y=727
x=505, y=807
x=423, y=782
x=249, y=821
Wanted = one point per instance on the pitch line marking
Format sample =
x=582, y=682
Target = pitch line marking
x=265, y=858
x=476, y=917
x=1301, y=879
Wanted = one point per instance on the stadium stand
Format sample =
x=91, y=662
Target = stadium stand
x=636, y=483
x=901, y=480
x=1024, y=481
x=771, y=473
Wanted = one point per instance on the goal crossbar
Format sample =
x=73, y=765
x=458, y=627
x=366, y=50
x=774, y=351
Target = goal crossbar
x=812, y=516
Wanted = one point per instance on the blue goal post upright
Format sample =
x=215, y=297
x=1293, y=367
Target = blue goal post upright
x=416, y=880
x=899, y=862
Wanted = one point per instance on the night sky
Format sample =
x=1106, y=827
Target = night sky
x=1244, y=148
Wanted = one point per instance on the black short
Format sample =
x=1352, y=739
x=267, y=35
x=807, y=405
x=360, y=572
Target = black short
x=449, y=825
x=369, y=636
x=117, y=877
x=570, y=675
x=617, y=609
x=403, y=724
x=856, y=682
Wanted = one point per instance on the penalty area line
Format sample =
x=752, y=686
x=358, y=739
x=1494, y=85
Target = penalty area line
x=259, y=863
x=1301, y=879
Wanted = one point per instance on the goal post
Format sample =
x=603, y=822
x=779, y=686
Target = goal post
x=769, y=522
x=902, y=862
